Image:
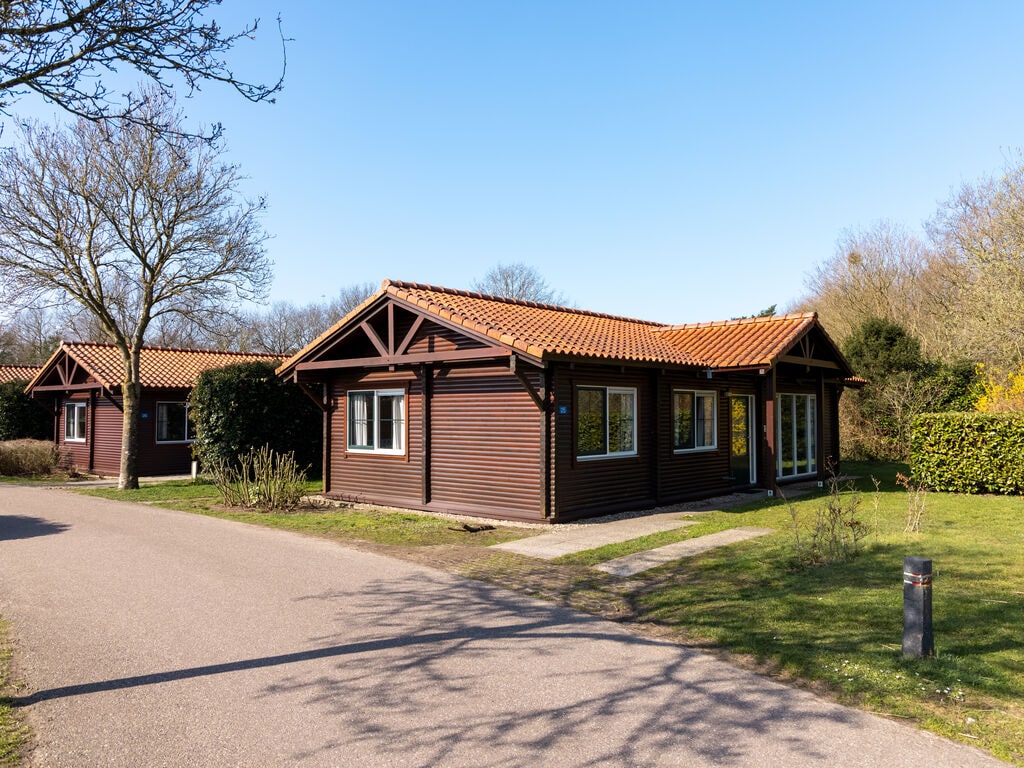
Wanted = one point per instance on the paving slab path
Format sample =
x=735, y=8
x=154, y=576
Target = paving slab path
x=152, y=638
x=639, y=562
x=569, y=539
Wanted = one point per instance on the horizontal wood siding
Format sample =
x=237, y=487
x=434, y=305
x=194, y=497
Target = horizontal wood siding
x=375, y=478
x=161, y=458
x=592, y=486
x=697, y=473
x=485, y=443
x=101, y=451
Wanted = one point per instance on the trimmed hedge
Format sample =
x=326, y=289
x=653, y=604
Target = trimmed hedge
x=20, y=416
x=969, y=452
x=245, y=406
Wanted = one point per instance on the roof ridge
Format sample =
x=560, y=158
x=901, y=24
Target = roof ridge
x=158, y=348
x=740, y=321
x=412, y=286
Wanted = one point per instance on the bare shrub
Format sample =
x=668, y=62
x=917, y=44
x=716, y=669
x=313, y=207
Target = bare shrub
x=917, y=496
x=262, y=479
x=28, y=458
x=836, y=533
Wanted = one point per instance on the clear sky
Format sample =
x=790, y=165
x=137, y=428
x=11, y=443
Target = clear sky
x=674, y=161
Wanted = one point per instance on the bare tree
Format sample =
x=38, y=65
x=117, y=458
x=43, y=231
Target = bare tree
x=285, y=328
x=518, y=281
x=132, y=224
x=62, y=50
x=980, y=234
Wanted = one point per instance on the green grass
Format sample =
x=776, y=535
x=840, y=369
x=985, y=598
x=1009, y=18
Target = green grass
x=840, y=625
x=13, y=733
x=171, y=490
x=405, y=529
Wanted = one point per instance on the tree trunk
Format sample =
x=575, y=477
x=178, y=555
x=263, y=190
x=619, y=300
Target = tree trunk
x=132, y=396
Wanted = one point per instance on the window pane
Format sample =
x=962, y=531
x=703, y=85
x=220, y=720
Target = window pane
x=621, y=415
x=360, y=420
x=705, y=421
x=590, y=422
x=71, y=422
x=787, y=463
x=683, y=412
x=812, y=434
x=171, y=421
x=391, y=422
x=801, y=434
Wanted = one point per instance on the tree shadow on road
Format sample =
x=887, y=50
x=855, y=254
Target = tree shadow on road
x=25, y=527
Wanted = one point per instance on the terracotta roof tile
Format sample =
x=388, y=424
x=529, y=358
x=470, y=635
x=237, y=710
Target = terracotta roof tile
x=159, y=367
x=740, y=343
x=545, y=330
x=18, y=372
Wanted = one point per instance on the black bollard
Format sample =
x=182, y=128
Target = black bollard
x=918, y=640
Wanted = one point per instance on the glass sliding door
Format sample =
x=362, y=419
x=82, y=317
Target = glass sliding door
x=796, y=435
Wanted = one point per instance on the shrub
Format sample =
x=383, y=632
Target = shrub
x=20, y=416
x=835, y=534
x=968, y=452
x=246, y=406
x=28, y=458
x=261, y=478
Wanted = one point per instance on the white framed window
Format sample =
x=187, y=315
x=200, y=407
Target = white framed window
x=797, y=435
x=605, y=422
x=74, y=422
x=694, y=420
x=376, y=421
x=173, y=424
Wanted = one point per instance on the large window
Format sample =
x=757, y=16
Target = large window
x=694, y=422
x=173, y=424
x=605, y=422
x=376, y=421
x=797, y=435
x=74, y=422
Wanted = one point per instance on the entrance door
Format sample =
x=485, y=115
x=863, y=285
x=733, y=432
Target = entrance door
x=741, y=454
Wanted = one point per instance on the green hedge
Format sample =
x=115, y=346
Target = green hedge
x=969, y=452
x=245, y=406
x=20, y=416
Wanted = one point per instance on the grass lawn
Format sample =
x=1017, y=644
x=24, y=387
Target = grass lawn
x=835, y=628
x=13, y=734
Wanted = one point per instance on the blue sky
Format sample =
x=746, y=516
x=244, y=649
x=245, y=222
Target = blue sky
x=674, y=161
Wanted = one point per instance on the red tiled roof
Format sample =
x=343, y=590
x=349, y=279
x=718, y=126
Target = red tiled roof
x=18, y=372
x=545, y=331
x=740, y=343
x=159, y=367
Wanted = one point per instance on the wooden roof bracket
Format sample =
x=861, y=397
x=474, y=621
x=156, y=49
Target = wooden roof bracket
x=320, y=399
x=516, y=370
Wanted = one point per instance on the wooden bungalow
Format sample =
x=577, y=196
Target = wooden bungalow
x=81, y=386
x=458, y=402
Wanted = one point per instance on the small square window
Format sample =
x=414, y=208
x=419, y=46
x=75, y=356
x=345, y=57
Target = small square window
x=376, y=421
x=74, y=422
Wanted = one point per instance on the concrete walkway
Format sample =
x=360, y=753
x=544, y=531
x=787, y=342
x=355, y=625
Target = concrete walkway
x=652, y=558
x=598, y=532
x=566, y=540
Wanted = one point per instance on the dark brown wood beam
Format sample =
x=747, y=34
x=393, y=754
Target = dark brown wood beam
x=459, y=355
x=410, y=335
x=795, y=360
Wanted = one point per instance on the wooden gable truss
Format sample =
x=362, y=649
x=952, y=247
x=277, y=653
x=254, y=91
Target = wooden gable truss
x=391, y=334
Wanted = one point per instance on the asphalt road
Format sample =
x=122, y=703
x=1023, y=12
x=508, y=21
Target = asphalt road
x=153, y=638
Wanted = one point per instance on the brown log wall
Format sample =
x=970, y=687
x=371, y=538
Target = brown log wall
x=101, y=451
x=485, y=443
x=375, y=478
